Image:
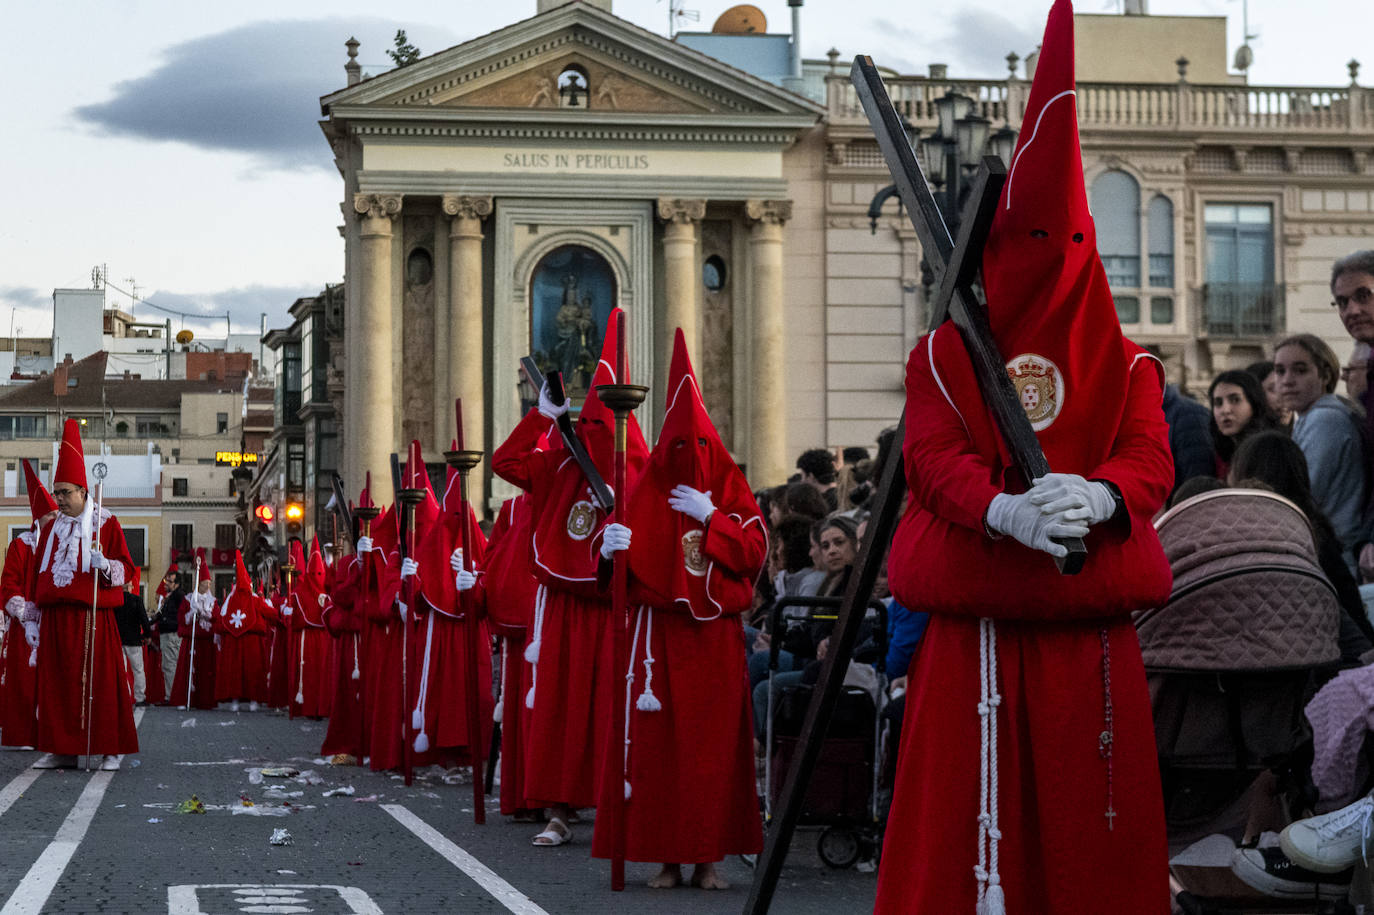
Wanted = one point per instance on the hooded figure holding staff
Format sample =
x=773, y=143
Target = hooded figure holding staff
x=1027, y=781
x=19, y=664
x=85, y=699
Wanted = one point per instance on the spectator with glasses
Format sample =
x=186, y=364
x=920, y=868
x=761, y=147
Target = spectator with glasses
x=1352, y=295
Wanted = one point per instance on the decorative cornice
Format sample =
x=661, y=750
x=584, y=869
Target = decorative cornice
x=545, y=131
x=681, y=211
x=769, y=212
x=377, y=206
x=466, y=206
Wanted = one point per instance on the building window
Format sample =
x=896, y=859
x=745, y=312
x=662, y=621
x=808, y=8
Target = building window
x=149, y=426
x=183, y=537
x=713, y=273
x=137, y=540
x=572, y=87
x=1161, y=227
x=572, y=292
x=12, y=427
x=1240, y=296
x=226, y=537
x=1116, y=210
x=180, y=487
x=295, y=465
x=221, y=423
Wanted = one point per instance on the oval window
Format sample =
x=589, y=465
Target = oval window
x=713, y=273
x=419, y=268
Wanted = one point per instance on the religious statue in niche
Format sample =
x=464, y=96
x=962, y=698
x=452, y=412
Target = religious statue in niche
x=572, y=292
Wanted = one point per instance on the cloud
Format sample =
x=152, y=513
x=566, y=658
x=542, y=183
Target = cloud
x=245, y=306
x=24, y=297
x=254, y=89
x=981, y=40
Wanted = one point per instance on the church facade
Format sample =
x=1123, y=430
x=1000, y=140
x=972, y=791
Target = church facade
x=501, y=196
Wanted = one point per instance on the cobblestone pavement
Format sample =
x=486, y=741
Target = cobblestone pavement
x=79, y=842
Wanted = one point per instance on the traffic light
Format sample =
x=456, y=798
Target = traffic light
x=264, y=514
x=295, y=513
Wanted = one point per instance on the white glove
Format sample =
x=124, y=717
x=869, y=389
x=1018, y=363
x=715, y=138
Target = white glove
x=98, y=561
x=1017, y=517
x=546, y=404
x=364, y=545
x=1072, y=497
x=455, y=561
x=31, y=633
x=287, y=611
x=409, y=567
x=466, y=580
x=615, y=537
x=691, y=502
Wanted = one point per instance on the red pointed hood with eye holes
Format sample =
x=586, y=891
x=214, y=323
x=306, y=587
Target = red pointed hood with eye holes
x=41, y=502
x=1049, y=304
x=567, y=519
x=241, y=614
x=666, y=557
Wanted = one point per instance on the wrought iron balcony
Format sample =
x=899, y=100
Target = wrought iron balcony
x=1242, y=309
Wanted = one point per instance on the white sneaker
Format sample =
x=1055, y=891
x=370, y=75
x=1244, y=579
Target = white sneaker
x=1331, y=842
x=55, y=761
x=252, y=706
x=234, y=706
x=111, y=762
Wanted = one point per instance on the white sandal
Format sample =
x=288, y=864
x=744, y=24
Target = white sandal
x=557, y=834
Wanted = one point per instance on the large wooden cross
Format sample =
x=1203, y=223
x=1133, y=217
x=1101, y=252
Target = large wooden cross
x=956, y=266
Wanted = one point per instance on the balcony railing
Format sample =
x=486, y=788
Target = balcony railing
x=1180, y=105
x=1242, y=309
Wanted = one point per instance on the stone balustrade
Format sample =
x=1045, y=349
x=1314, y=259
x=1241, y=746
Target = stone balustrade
x=1130, y=106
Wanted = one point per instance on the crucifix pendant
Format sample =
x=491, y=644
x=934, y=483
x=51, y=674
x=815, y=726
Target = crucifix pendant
x=1110, y=814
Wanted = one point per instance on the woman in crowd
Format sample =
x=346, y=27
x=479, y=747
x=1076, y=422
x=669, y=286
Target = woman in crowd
x=796, y=499
x=1239, y=408
x=1264, y=374
x=1327, y=431
x=1274, y=460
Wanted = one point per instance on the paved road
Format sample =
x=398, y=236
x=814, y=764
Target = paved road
x=78, y=842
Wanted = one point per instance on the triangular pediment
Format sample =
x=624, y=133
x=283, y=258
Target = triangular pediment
x=628, y=69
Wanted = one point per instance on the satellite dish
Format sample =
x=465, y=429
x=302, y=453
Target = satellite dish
x=184, y=337
x=744, y=19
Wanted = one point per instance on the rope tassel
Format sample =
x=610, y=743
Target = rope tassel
x=991, y=898
x=647, y=701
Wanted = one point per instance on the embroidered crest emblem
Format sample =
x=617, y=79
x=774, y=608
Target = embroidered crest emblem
x=581, y=520
x=692, y=559
x=1039, y=387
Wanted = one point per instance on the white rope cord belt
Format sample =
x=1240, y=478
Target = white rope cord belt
x=991, y=900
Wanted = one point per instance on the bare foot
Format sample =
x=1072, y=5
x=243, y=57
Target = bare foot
x=704, y=877
x=666, y=879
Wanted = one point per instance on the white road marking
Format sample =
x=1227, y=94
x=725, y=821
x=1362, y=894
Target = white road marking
x=182, y=899
x=482, y=875
x=17, y=786
x=33, y=891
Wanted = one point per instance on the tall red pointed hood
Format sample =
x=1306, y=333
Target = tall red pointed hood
x=666, y=552
x=1049, y=303
x=41, y=501
x=596, y=423
x=451, y=489
x=241, y=580
x=365, y=497
x=71, y=458
x=204, y=566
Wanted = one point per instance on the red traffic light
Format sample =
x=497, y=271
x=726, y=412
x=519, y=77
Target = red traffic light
x=264, y=513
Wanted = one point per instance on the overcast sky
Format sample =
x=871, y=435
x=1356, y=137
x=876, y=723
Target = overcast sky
x=177, y=142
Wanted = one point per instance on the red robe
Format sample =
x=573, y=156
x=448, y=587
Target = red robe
x=573, y=681
x=311, y=686
x=155, y=685
x=280, y=688
x=242, y=624
x=689, y=733
x=344, y=619
x=506, y=590
x=18, y=726
x=202, y=687
x=1057, y=849
x=64, y=590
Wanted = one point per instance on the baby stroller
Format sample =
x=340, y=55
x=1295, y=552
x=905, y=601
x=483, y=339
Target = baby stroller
x=843, y=794
x=1231, y=660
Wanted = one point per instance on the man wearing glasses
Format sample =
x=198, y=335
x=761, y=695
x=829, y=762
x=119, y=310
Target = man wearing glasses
x=1352, y=294
x=85, y=704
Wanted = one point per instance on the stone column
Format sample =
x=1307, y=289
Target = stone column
x=467, y=368
x=374, y=403
x=681, y=281
x=767, y=458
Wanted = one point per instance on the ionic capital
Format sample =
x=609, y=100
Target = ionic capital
x=768, y=212
x=680, y=211
x=377, y=206
x=463, y=206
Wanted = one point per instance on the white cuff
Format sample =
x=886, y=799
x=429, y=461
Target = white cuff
x=116, y=573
